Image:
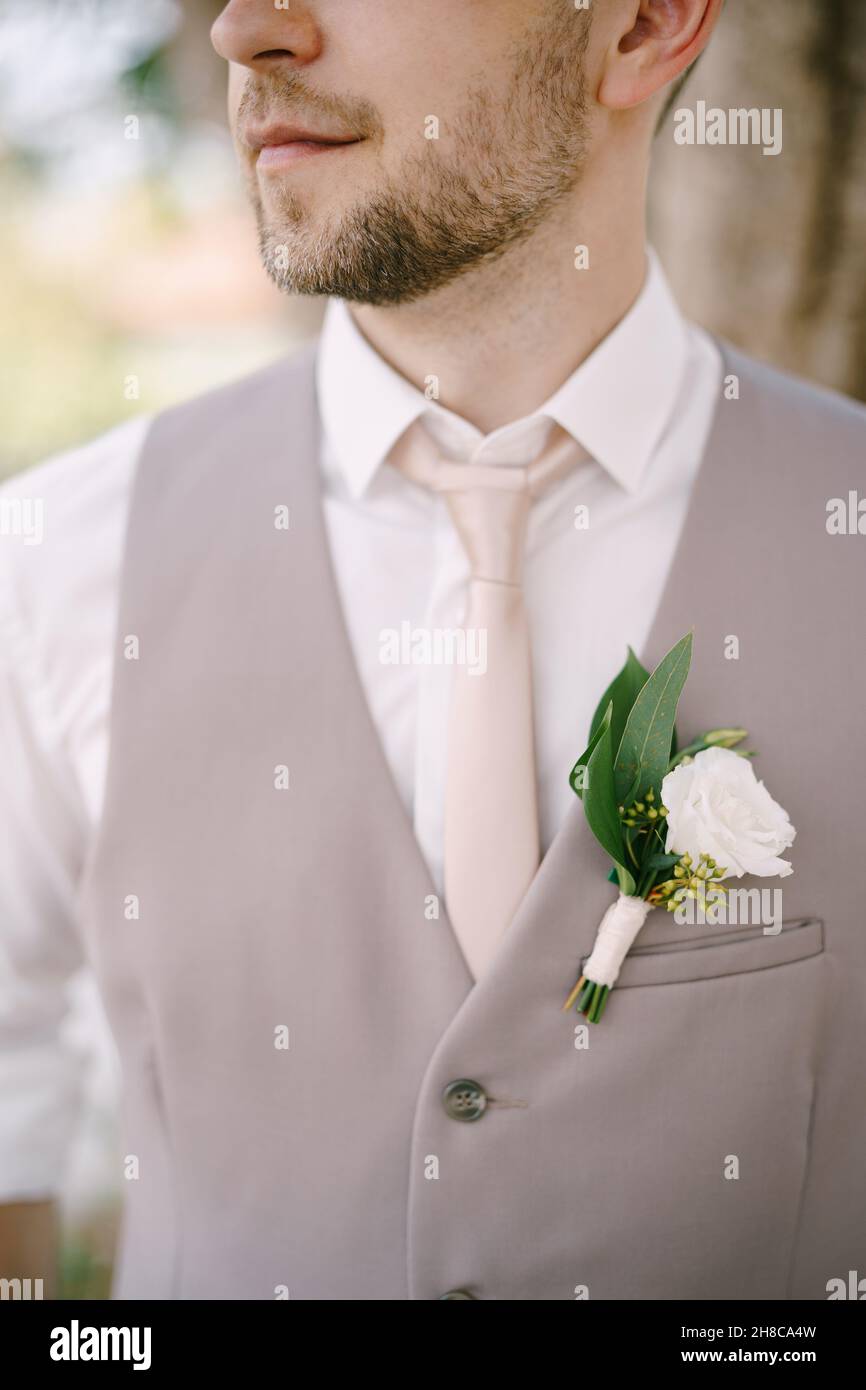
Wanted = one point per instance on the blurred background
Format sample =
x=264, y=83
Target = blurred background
x=130, y=275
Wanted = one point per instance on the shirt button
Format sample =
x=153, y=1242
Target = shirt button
x=464, y=1100
x=456, y=1293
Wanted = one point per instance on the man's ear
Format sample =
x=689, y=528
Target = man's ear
x=658, y=41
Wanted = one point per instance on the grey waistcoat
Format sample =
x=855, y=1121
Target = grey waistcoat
x=709, y=1142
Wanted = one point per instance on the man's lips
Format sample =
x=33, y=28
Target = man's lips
x=276, y=146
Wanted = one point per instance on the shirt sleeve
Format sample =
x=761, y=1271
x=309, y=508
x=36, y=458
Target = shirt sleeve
x=59, y=589
x=41, y=852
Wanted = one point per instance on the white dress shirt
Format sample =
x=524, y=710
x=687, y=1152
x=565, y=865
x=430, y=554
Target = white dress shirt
x=640, y=406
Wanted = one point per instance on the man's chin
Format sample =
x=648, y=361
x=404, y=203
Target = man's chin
x=377, y=252
x=300, y=221
x=298, y=260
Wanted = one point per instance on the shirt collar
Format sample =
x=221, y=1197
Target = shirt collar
x=621, y=398
x=365, y=404
x=616, y=404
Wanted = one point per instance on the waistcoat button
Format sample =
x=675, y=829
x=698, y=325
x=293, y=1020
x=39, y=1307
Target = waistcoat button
x=464, y=1100
x=456, y=1293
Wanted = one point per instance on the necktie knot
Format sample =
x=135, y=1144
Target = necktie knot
x=489, y=504
x=491, y=523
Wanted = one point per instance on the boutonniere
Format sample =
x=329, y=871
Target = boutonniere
x=675, y=821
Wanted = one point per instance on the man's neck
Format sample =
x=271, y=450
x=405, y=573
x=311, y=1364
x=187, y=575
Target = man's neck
x=500, y=339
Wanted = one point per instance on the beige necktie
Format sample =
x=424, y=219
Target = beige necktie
x=491, y=807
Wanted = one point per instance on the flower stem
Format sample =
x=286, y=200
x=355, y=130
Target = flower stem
x=574, y=993
x=598, y=1002
x=585, y=996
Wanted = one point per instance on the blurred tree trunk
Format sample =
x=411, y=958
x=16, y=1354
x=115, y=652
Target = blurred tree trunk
x=770, y=251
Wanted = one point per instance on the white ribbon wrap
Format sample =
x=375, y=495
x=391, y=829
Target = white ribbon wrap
x=619, y=927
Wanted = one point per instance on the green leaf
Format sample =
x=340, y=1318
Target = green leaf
x=599, y=797
x=627, y=884
x=725, y=738
x=622, y=691
x=577, y=773
x=661, y=861
x=644, y=752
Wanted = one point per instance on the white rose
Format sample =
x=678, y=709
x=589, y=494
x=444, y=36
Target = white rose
x=717, y=806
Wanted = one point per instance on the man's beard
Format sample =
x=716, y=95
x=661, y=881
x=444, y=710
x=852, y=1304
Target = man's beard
x=514, y=160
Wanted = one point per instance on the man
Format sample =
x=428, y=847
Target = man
x=335, y=891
